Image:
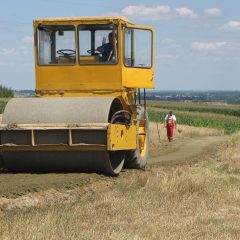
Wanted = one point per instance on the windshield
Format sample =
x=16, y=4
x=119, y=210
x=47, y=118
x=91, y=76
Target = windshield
x=97, y=43
x=56, y=45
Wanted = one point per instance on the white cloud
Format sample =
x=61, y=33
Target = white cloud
x=141, y=10
x=170, y=42
x=231, y=25
x=167, y=57
x=113, y=14
x=28, y=39
x=157, y=12
x=213, y=12
x=167, y=41
x=176, y=45
x=24, y=50
x=4, y=64
x=186, y=13
x=8, y=52
x=18, y=51
x=200, y=46
x=234, y=46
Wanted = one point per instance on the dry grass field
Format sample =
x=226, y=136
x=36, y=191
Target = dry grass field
x=186, y=197
x=195, y=200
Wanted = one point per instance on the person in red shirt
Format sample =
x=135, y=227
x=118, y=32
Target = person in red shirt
x=170, y=122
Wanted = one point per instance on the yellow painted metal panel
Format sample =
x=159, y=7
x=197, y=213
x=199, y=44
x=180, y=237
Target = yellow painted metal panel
x=50, y=148
x=121, y=137
x=80, y=93
x=78, y=77
x=138, y=77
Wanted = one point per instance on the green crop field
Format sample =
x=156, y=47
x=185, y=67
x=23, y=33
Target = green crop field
x=227, y=109
x=225, y=117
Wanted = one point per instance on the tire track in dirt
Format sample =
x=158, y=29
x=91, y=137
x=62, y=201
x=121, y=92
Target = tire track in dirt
x=189, y=149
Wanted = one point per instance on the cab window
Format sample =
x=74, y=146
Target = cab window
x=97, y=43
x=56, y=45
x=137, y=48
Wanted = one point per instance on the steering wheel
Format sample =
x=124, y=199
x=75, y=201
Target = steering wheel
x=94, y=52
x=66, y=52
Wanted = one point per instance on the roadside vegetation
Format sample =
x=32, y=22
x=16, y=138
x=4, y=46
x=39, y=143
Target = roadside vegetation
x=199, y=115
x=3, y=103
x=5, y=94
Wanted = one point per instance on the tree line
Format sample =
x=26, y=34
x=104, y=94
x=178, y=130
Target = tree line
x=6, y=92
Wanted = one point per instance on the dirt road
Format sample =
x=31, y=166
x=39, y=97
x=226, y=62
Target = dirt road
x=189, y=149
x=15, y=185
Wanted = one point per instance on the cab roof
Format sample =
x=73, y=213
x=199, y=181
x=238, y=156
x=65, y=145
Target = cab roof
x=84, y=19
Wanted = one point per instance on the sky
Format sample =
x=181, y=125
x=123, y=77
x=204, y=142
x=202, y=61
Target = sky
x=197, y=42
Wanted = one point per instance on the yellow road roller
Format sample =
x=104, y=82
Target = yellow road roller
x=89, y=112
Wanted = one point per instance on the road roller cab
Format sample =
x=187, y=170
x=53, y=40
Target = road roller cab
x=69, y=63
x=87, y=114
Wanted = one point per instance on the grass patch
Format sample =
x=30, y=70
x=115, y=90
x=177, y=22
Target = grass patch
x=3, y=103
x=2, y=106
x=6, y=92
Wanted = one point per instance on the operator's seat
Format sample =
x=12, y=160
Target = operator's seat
x=66, y=60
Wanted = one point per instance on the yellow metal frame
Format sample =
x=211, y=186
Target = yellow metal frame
x=119, y=137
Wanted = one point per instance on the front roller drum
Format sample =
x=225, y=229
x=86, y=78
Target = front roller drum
x=54, y=111
x=94, y=161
